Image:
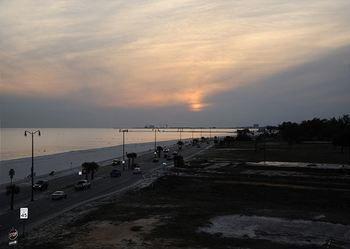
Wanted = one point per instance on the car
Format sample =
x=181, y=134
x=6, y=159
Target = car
x=58, y=195
x=312, y=165
x=41, y=185
x=137, y=171
x=116, y=173
x=116, y=162
x=82, y=184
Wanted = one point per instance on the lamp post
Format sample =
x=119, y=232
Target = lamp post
x=180, y=130
x=155, y=138
x=32, y=169
x=123, y=130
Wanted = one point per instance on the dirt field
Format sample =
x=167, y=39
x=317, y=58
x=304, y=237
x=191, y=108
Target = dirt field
x=220, y=201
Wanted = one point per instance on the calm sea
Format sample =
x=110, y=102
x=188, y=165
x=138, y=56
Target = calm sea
x=56, y=140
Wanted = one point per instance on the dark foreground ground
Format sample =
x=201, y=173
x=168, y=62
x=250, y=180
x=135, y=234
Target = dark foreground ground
x=220, y=201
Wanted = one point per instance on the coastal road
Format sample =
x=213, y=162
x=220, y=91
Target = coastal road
x=43, y=208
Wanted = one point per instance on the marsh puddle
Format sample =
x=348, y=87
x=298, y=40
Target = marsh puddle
x=295, y=232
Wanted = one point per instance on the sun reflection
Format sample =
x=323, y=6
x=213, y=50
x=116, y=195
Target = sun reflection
x=195, y=100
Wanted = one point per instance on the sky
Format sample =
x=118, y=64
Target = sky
x=178, y=62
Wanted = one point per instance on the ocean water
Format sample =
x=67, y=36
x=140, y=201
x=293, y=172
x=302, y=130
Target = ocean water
x=14, y=145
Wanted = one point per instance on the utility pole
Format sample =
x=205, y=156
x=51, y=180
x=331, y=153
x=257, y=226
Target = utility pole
x=123, y=130
x=32, y=169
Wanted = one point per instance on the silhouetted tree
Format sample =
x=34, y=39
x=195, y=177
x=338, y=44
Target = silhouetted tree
x=159, y=150
x=335, y=130
x=180, y=144
x=244, y=135
x=13, y=188
x=290, y=132
x=90, y=168
x=131, y=157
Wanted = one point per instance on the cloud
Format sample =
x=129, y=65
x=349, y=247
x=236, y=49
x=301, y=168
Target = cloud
x=319, y=88
x=153, y=54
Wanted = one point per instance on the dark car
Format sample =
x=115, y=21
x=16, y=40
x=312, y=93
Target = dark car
x=116, y=173
x=58, y=195
x=41, y=185
x=82, y=184
x=116, y=162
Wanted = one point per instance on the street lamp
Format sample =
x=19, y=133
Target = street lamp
x=155, y=138
x=32, y=169
x=123, y=130
x=180, y=130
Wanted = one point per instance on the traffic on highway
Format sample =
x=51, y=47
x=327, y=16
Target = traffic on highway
x=58, y=195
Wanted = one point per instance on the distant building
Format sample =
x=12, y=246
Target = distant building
x=256, y=126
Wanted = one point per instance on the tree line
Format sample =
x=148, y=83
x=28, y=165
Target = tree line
x=336, y=130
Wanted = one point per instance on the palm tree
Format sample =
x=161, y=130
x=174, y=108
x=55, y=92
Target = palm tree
x=180, y=143
x=11, y=174
x=159, y=150
x=90, y=168
x=131, y=157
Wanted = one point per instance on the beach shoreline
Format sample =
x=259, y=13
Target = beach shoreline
x=67, y=162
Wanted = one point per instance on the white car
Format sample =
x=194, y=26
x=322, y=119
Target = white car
x=82, y=184
x=116, y=162
x=137, y=171
x=57, y=195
